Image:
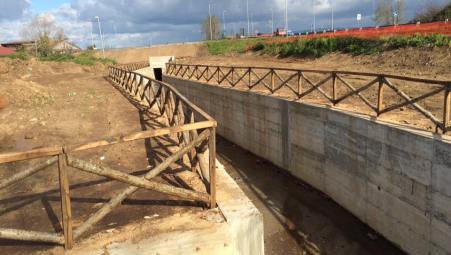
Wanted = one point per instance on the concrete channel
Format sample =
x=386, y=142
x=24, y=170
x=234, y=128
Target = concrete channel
x=392, y=178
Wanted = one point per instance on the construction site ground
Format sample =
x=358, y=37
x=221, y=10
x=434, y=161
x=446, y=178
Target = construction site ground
x=65, y=104
x=49, y=103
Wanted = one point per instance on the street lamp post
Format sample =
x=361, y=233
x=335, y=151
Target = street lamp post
x=332, y=6
x=101, y=36
x=247, y=14
x=286, y=17
x=272, y=21
x=209, y=16
x=92, y=38
x=314, y=16
x=223, y=21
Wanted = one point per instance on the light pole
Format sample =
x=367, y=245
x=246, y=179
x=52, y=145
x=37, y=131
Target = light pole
x=223, y=21
x=252, y=23
x=286, y=17
x=247, y=14
x=272, y=21
x=209, y=16
x=332, y=6
x=101, y=36
x=92, y=38
x=314, y=16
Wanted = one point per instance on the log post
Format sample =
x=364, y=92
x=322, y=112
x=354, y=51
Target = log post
x=299, y=84
x=217, y=70
x=250, y=78
x=380, y=96
x=233, y=70
x=447, y=109
x=212, y=166
x=66, y=211
x=334, y=88
x=272, y=80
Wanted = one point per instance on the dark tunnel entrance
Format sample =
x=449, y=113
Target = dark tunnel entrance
x=158, y=73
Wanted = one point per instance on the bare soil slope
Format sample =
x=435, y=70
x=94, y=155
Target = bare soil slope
x=64, y=104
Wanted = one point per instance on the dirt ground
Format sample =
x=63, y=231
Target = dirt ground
x=424, y=63
x=64, y=104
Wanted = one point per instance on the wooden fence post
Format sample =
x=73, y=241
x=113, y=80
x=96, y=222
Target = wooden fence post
x=334, y=88
x=249, y=85
x=272, y=80
x=299, y=84
x=380, y=96
x=66, y=211
x=447, y=109
x=212, y=166
x=233, y=70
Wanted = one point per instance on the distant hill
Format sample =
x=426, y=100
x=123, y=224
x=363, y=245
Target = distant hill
x=434, y=13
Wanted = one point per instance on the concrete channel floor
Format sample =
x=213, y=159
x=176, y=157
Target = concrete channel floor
x=297, y=218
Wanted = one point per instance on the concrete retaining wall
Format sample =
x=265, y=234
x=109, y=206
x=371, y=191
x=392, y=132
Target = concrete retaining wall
x=396, y=180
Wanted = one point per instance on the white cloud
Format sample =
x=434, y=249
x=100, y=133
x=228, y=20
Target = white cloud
x=138, y=22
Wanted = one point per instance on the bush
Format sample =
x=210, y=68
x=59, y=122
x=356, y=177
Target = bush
x=227, y=46
x=258, y=46
x=22, y=55
x=318, y=47
x=84, y=58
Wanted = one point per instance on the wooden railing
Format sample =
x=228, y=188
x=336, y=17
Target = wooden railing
x=193, y=129
x=367, y=93
x=133, y=66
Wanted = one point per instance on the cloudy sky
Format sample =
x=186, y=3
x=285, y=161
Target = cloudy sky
x=128, y=23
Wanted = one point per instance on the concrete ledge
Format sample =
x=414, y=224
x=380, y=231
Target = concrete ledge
x=235, y=227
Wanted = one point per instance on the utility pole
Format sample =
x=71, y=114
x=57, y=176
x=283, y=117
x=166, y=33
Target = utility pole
x=314, y=16
x=332, y=6
x=92, y=38
x=223, y=21
x=247, y=14
x=286, y=17
x=209, y=16
x=252, y=23
x=101, y=36
x=272, y=21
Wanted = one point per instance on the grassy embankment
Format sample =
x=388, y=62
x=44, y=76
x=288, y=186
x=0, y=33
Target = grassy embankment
x=84, y=58
x=318, y=47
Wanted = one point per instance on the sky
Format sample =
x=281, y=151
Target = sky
x=134, y=23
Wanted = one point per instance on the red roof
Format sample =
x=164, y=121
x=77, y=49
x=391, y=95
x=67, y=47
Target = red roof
x=6, y=51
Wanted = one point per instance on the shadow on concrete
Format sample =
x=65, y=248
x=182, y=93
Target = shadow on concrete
x=298, y=218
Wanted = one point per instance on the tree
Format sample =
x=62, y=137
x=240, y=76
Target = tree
x=384, y=12
x=433, y=12
x=43, y=30
x=215, y=31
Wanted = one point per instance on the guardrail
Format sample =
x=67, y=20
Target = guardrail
x=378, y=92
x=193, y=128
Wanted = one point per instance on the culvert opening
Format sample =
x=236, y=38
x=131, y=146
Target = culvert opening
x=158, y=73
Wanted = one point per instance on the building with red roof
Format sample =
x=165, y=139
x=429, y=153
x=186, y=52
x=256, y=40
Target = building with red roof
x=6, y=51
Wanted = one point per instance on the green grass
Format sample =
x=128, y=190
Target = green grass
x=318, y=47
x=85, y=58
x=229, y=46
x=19, y=55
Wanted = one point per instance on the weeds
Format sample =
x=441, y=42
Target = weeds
x=318, y=47
x=84, y=58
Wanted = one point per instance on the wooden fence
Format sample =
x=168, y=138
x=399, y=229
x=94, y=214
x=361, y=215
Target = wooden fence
x=378, y=93
x=194, y=129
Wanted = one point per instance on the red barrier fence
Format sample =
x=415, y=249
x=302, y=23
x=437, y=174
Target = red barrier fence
x=407, y=29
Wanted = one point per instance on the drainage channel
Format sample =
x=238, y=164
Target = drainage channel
x=298, y=219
